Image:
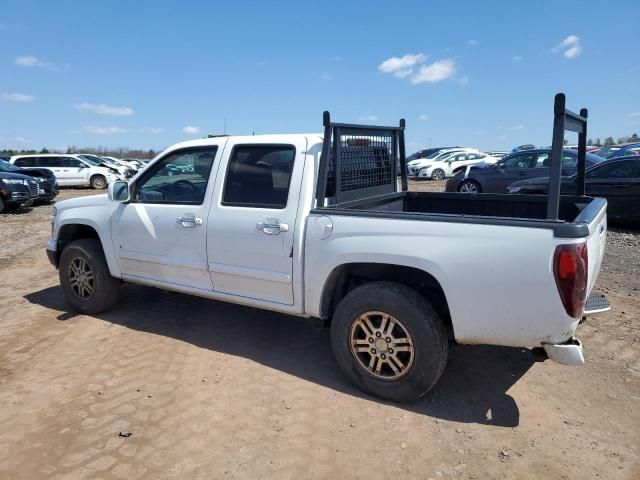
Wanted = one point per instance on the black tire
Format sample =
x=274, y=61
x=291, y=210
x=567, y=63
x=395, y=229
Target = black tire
x=105, y=288
x=99, y=182
x=419, y=319
x=2, y=204
x=438, y=174
x=469, y=186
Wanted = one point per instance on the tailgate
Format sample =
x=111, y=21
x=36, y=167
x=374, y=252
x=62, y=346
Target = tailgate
x=595, y=215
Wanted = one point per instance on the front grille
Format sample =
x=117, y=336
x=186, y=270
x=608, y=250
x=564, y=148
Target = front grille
x=33, y=188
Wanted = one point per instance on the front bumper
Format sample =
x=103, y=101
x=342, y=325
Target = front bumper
x=52, y=252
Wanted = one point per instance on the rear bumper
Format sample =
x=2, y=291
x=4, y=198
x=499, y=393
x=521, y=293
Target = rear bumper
x=568, y=353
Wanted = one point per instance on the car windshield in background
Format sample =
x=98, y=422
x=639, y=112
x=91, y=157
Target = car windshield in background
x=7, y=167
x=90, y=159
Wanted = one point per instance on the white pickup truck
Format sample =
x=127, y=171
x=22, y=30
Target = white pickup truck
x=321, y=227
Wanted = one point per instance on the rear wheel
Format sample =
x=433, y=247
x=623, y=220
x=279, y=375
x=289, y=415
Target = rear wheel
x=85, y=278
x=99, y=182
x=469, y=186
x=389, y=341
x=438, y=174
x=2, y=204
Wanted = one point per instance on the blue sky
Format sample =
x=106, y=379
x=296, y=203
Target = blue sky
x=151, y=73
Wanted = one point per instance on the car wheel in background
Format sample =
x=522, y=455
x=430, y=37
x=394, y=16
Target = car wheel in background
x=2, y=205
x=438, y=174
x=98, y=182
x=389, y=341
x=469, y=186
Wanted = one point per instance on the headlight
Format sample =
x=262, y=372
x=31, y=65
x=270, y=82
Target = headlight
x=40, y=179
x=15, y=181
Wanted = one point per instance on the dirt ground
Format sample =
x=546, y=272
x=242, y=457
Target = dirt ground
x=211, y=390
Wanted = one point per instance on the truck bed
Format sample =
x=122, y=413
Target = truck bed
x=575, y=212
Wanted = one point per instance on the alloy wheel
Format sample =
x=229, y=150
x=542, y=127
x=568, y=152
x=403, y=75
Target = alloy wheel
x=381, y=345
x=468, y=187
x=81, y=278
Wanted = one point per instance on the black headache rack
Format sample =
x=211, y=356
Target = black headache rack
x=565, y=120
x=360, y=162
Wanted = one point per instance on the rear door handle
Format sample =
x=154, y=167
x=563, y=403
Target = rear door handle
x=189, y=221
x=272, y=226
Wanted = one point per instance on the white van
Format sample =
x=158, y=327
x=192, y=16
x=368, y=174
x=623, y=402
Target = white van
x=70, y=170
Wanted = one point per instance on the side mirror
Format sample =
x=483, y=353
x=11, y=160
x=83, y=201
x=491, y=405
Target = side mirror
x=118, y=191
x=83, y=165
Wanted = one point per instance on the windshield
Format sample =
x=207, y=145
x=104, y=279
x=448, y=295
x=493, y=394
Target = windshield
x=7, y=167
x=92, y=159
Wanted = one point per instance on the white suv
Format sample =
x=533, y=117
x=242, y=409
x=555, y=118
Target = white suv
x=70, y=170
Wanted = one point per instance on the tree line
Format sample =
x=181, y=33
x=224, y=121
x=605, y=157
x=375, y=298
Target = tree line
x=611, y=141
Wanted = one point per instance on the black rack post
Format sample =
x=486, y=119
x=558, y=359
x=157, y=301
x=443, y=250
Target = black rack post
x=322, y=170
x=402, y=153
x=565, y=120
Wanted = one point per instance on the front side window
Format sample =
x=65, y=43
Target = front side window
x=569, y=162
x=259, y=176
x=25, y=162
x=179, y=178
x=72, y=162
x=623, y=169
x=522, y=160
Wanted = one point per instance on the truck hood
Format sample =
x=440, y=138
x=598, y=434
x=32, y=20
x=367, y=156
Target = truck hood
x=88, y=201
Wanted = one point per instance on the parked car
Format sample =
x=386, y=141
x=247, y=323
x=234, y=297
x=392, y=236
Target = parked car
x=446, y=165
x=426, y=152
x=70, y=170
x=497, y=153
x=16, y=190
x=615, y=151
x=47, y=184
x=263, y=228
x=124, y=170
x=617, y=180
x=496, y=178
x=522, y=148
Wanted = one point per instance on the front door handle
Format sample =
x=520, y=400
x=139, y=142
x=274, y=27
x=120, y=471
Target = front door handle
x=189, y=221
x=272, y=226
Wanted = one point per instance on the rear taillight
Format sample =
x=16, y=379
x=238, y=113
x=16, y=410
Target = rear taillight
x=571, y=269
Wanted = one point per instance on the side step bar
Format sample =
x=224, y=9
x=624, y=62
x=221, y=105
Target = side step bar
x=596, y=303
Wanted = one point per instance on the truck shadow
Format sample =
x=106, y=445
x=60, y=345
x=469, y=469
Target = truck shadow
x=473, y=388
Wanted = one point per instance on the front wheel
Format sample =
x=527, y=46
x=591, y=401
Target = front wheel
x=469, y=186
x=85, y=278
x=438, y=174
x=389, y=341
x=98, y=182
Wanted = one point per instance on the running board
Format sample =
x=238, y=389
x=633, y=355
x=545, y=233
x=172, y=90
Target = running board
x=596, y=303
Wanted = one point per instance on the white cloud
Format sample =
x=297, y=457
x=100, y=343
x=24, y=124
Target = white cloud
x=326, y=76
x=104, y=130
x=517, y=127
x=104, y=109
x=16, y=97
x=401, y=67
x=368, y=118
x=501, y=137
x=154, y=131
x=29, y=61
x=473, y=42
x=517, y=58
x=570, y=47
x=189, y=130
x=22, y=140
x=434, y=72
x=423, y=118
x=633, y=114
x=464, y=81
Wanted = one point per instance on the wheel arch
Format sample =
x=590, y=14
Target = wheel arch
x=346, y=277
x=68, y=232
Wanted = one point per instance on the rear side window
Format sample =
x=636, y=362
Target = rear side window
x=50, y=162
x=26, y=162
x=259, y=176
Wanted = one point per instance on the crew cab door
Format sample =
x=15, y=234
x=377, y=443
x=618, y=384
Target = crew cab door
x=160, y=235
x=252, y=219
